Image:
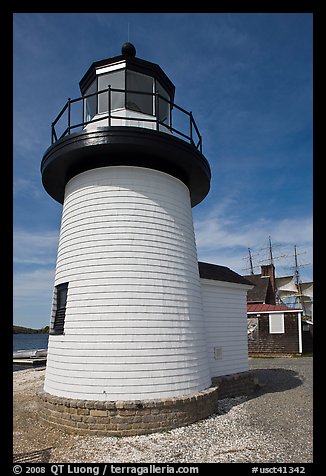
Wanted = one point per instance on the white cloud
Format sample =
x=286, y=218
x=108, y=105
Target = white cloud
x=27, y=187
x=33, y=297
x=33, y=286
x=34, y=260
x=223, y=238
x=36, y=248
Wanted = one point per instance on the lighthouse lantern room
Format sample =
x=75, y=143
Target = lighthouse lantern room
x=127, y=91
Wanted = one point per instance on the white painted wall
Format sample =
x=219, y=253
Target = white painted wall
x=148, y=123
x=134, y=319
x=225, y=311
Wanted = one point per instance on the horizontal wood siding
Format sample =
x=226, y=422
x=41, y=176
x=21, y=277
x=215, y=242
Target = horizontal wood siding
x=134, y=322
x=226, y=327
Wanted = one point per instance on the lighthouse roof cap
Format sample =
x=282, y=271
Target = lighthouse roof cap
x=139, y=65
x=128, y=49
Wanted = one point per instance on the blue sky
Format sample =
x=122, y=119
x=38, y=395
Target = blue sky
x=246, y=77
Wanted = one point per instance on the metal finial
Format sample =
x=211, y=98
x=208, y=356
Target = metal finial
x=128, y=49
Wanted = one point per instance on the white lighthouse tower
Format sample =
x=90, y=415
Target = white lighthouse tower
x=127, y=323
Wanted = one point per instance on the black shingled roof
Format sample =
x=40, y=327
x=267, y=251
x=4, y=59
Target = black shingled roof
x=259, y=292
x=220, y=273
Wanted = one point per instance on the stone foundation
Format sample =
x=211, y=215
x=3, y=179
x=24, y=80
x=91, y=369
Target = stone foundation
x=126, y=418
x=234, y=385
x=130, y=418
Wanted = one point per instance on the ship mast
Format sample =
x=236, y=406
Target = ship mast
x=298, y=280
x=250, y=261
x=282, y=295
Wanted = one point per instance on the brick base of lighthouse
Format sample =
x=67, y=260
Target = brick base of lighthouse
x=126, y=418
x=129, y=418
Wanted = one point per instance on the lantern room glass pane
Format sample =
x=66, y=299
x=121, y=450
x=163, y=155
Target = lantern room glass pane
x=90, y=103
x=163, y=104
x=116, y=80
x=144, y=84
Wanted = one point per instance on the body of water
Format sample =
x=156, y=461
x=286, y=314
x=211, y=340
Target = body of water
x=30, y=341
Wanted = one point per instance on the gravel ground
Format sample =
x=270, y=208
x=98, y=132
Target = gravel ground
x=273, y=426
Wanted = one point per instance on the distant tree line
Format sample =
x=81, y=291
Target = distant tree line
x=28, y=330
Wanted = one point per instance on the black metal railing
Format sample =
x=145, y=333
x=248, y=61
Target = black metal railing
x=184, y=126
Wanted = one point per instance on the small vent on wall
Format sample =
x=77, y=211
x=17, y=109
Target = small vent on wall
x=218, y=353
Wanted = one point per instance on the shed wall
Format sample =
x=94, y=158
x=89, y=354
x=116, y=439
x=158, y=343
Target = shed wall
x=225, y=307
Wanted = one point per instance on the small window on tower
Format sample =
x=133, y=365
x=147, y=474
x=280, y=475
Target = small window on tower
x=60, y=314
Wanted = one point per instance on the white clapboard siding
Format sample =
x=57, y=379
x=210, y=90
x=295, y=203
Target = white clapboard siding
x=225, y=311
x=134, y=320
